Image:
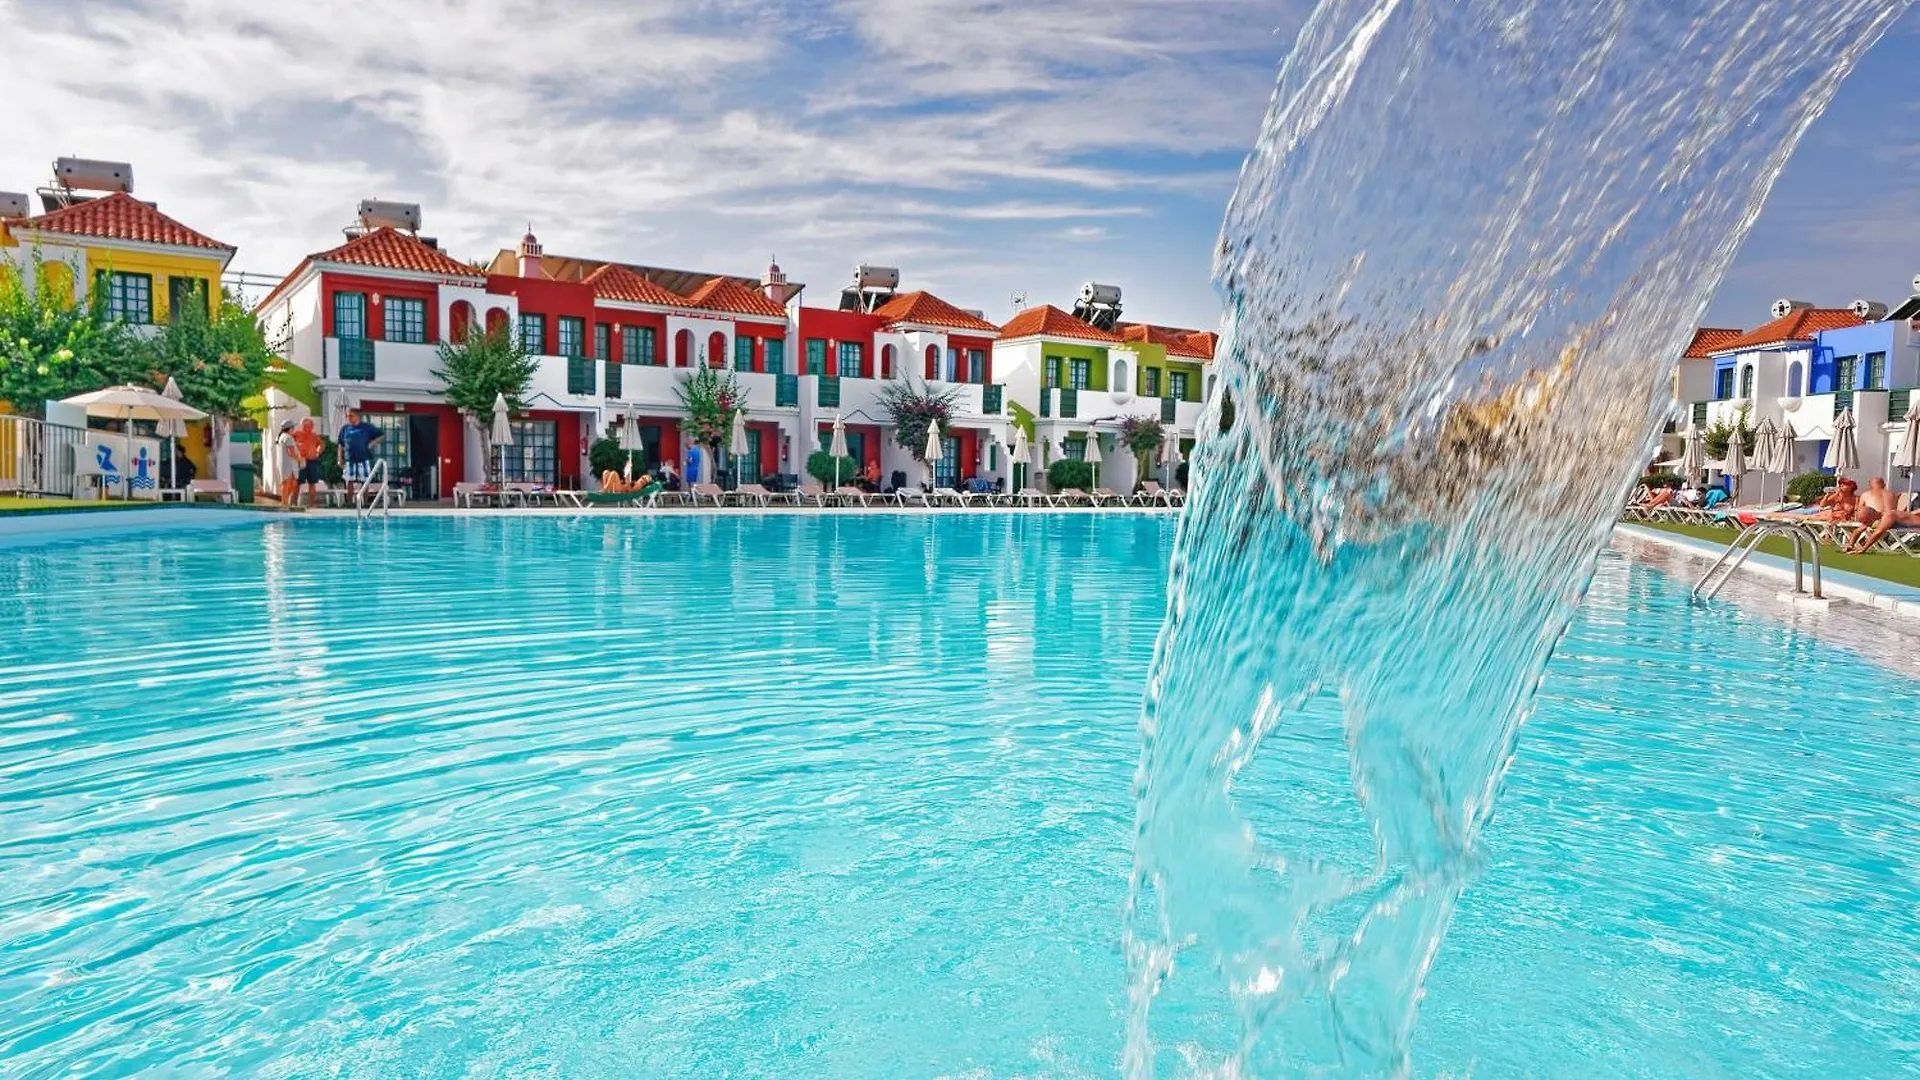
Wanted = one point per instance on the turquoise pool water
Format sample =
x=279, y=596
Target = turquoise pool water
x=848, y=797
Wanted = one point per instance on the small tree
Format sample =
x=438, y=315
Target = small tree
x=218, y=358
x=1069, y=473
x=53, y=347
x=829, y=470
x=479, y=370
x=1143, y=435
x=914, y=408
x=1717, y=438
x=711, y=397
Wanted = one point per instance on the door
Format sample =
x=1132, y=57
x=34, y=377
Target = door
x=424, y=456
x=946, y=471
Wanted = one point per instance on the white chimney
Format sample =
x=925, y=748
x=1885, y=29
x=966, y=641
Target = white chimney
x=530, y=256
x=775, y=283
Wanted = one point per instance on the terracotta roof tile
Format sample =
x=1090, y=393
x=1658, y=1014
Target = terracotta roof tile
x=390, y=249
x=1193, y=344
x=1706, y=340
x=729, y=295
x=615, y=282
x=120, y=216
x=1049, y=321
x=926, y=309
x=1798, y=326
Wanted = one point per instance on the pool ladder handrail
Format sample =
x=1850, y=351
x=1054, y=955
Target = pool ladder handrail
x=362, y=504
x=1806, y=548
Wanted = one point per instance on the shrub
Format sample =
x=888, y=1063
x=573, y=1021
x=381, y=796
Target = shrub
x=1808, y=487
x=1068, y=473
x=1662, y=480
x=820, y=466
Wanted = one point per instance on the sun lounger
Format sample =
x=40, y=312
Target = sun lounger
x=707, y=491
x=849, y=496
x=1152, y=493
x=217, y=490
x=810, y=493
x=647, y=496
x=1071, y=496
x=951, y=495
x=748, y=495
x=1031, y=496
x=1106, y=496
x=912, y=496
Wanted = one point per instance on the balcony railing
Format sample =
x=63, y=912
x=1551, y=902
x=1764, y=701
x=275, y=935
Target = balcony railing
x=829, y=397
x=613, y=378
x=1169, y=408
x=1700, y=414
x=356, y=358
x=992, y=399
x=580, y=374
x=1046, y=402
x=1898, y=402
x=786, y=390
x=1842, y=401
x=1069, y=404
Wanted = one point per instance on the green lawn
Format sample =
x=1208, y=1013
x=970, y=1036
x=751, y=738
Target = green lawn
x=10, y=504
x=1897, y=568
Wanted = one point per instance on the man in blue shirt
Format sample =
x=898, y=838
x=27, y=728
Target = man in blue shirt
x=356, y=450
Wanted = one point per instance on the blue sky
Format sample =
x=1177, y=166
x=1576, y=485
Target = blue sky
x=984, y=146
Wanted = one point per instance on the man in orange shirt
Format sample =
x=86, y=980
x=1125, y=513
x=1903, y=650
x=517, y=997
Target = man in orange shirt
x=306, y=442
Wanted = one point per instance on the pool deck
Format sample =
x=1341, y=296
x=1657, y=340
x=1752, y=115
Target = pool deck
x=1889, y=596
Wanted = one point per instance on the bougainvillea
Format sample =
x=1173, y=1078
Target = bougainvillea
x=913, y=409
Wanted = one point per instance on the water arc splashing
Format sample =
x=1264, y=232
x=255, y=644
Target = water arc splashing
x=1459, y=265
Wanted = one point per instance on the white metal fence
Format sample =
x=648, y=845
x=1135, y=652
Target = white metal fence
x=39, y=458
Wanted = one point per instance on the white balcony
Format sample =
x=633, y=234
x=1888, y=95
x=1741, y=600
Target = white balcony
x=381, y=363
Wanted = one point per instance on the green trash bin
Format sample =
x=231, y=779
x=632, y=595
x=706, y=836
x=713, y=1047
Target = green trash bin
x=243, y=482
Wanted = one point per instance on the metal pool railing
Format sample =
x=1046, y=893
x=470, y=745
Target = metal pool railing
x=39, y=458
x=1730, y=561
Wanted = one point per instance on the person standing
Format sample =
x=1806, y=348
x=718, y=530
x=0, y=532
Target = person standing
x=356, y=450
x=289, y=463
x=307, y=444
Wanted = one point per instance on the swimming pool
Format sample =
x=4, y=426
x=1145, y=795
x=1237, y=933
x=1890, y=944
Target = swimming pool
x=843, y=796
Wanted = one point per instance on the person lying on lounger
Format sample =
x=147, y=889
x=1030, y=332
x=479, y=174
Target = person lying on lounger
x=1662, y=497
x=614, y=484
x=1840, y=504
x=1879, y=510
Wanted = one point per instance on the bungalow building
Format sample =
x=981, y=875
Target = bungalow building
x=1783, y=372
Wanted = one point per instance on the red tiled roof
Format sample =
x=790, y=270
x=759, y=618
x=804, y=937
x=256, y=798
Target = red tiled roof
x=120, y=216
x=390, y=249
x=728, y=295
x=1194, y=344
x=926, y=309
x=1049, y=321
x=615, y=282
x=1798, y=326
x=1706, y=340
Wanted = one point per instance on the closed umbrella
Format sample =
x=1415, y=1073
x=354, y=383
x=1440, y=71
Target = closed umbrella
x=1736, y=463
x=130, y=403
x=837, y=449
x=1169, y=459
x=502, y=432
x=737, y=445
x=1909, y=456
x=173, y=431
x=1764, y=438
x=1783, y=455
x=629, y=440
x=1694, y=458
x=1093, y=455
x=1843, y=452
x=1021, y=453
x=932, y=449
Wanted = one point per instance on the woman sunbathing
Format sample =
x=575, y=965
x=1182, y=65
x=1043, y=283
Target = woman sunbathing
x=614, y=484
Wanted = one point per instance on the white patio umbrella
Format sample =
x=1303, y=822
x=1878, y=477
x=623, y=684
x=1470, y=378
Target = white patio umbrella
x=1843, y=451
x=130, y=403
x=1736, y=463
x=1764, y=437
x=1093, y=455
x=1783, y=454
x=838, y=448
x=737, y=444
x=502, y=431
x=1909, y=456
x=173, y=431
x=1694, y=458
x=629, y=440
x=1020, y=455
x=1169, y=459
x=932, y=449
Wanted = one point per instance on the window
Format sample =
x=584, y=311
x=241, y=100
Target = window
x=777, y=356
x=573, y=336
x=533, y=333
x=532, y=458
x=1844, y=369
x=1723, y=384
x=746, y=467
x=613, y=377
x=459, y=321
x=852, y=359
x=1079, y=374
x=886, y=361
x=186, y=292
x=395, y=444
x=1053, y=371
x=1074, y=449
x=406, y=321
x=349, y=315
x=816, y=356
x=977, y=365
x=129, y=297
x=603, y=341
x=743, y=353
x=1150, y=382
x=1794, y=371
x=1119, y=380
x=951, y=371
x=1177, y=385
x=637, y=346
x=1876, y=371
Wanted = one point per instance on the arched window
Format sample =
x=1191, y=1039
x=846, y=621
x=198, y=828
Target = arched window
x=1746, y=381
x=933, y=361
x=1119, y=383
x=886, y=361
x=496, y=320
x=459, y=321
x=717, y=349
x=1793, y=379
x=683, y=349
